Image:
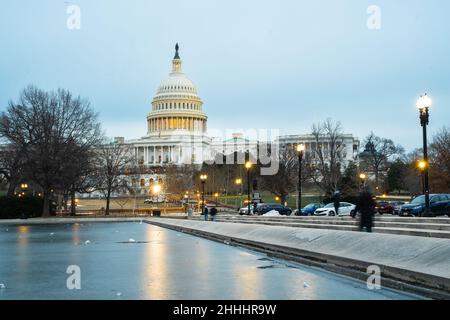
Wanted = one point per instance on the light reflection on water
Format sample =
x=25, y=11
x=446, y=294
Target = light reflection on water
x=76, y=227
x=23, y=250
x=155, y=266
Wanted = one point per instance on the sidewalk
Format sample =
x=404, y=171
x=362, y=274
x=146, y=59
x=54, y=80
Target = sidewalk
x=417, y=264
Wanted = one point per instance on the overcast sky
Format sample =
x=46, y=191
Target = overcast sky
x=256, y=63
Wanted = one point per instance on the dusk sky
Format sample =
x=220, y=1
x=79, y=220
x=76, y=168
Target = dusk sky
x=256, y=63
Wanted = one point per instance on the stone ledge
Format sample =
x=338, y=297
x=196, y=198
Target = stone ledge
x=418, y=265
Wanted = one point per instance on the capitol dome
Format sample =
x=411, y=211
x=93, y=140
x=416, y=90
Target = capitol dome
x=176, y=105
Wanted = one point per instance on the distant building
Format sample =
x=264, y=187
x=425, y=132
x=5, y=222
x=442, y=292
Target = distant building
x=350, y=145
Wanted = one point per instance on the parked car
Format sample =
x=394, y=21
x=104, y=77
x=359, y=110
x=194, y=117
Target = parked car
x=264, y=208
x=383, y=207
x=159, y=199
x=244, y=210
x=439, y=206
x=308, y=210
x=397, y=206
x=345, y=209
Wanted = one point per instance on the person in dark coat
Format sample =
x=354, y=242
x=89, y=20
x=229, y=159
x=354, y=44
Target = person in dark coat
x=205, y=213
x=366, y=208
x=213, y=213
x=336, y=201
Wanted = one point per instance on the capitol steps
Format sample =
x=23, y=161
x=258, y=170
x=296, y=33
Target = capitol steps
x=422, y=227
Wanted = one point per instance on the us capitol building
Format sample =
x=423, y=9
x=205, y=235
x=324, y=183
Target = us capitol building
x=177, y=129
x=176, y=124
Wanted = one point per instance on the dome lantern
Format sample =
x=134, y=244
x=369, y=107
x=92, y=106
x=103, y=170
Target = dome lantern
x=176, y=62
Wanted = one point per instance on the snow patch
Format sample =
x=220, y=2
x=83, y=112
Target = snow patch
x=272, y=213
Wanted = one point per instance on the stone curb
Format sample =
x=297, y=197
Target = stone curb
x=424, y=284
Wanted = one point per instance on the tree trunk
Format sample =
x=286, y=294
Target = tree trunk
x=72, y=203
x=65, y=202
x=11, y=187
x=46, y=208
x=108, y=196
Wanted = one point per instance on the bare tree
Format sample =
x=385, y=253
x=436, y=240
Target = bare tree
x=377, y=155
x=81, y=176
x=327, y=155
x=47, y=127
x=285, y=180
x=440, y=161
x=11, y=166
x=114, y=161
x=178, y=180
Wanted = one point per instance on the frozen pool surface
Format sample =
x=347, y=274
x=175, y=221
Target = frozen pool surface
x=156, y=264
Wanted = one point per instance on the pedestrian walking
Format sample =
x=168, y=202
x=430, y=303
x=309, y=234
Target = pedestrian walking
x=205, y=213
x=366, y=208
x=190, y=212
x=336, y=201
x=213, y=213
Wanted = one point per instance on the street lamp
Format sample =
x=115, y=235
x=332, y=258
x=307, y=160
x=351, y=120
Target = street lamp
x=238, y=182
x=300, y=150
x=203, y=178
x=248, y=166
x=363, y=178
x=424, y=104
x=24, y=187
x=156, y=190
x=216, y=195
x=422, y=165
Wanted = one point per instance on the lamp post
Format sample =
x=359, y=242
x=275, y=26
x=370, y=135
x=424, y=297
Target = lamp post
x=216, y=196
x=424, y=104
x=300, y=151
x=156, y=190
x=248, y=166
x=24, y=187
x=363, y=178
x=203, y=178
x=422, y=166
x=238, y=182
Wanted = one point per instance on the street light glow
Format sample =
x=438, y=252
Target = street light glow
x=238, y=181
x=301, y=147
x=422, y=165
x=156, y=188
x=362, y=176
x=203, y=177
x=248, y=165
x=424, y=102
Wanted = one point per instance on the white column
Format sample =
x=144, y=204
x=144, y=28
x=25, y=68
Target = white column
x=154, y=154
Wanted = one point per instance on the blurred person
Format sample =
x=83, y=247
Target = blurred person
x=366, y=208
x=213, y=213
x=336, y=201
x=205, y=213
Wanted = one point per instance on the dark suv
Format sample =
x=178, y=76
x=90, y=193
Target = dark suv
x=263, y=208
x=439, y=205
